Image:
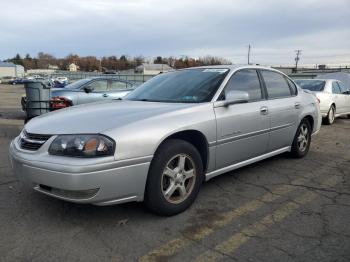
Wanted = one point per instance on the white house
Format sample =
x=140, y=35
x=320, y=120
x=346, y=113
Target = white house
x=152, y=69
x=73, y=67
x=10, y=69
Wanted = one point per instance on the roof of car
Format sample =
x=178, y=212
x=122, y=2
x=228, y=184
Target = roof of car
x=235, y=66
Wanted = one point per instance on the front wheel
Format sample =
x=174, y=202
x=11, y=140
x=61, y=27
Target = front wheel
x=302, y=140
x=174, y=178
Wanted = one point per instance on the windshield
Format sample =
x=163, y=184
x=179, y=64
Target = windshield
x=312, y=85
x=78, y=83
x=183, y=86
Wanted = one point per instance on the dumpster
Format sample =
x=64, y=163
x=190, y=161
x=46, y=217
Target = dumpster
x=37, y=98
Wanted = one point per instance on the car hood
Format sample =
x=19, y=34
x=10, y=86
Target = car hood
x=99, y=117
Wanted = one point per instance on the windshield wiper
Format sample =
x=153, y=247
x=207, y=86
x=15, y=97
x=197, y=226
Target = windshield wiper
x=119, y=98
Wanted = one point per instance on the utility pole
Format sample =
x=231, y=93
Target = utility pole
x=249, y=54
x=297, y=58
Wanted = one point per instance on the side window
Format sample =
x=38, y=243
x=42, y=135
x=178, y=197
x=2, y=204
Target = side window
x=246, y=80
x=117, y=85
x=293, y=87
x=276, y=84
x=335, y=88
x=343, y=89
x=99, y=85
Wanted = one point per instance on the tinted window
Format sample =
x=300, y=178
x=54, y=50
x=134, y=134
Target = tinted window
x=335, y=88
x=117, y=85
x=343, y=89
x=276, y=84
x=312, y=85
x=246, y=80
x=78, y=84
x=183, y=86
x=99, y=85
x=293, y=87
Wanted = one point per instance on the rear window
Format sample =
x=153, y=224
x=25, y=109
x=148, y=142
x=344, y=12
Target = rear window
x=276, y=84
x=312, y=85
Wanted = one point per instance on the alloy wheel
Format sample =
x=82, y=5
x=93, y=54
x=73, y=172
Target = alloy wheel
x=178, y=178
x=303, y=137
x=331, y=115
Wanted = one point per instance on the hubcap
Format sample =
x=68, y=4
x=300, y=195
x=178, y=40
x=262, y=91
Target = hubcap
x=303, y=137
x=178, y=178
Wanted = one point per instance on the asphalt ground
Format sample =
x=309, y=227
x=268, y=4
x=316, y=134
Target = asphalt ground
x=280, y=209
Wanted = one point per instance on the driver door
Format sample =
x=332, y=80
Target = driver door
x=99, y=92
x=242, y=129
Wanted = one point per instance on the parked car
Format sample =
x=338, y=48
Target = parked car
x=88, y=90
x=333, y=95
x=18, y=81
x=7, y=79
x=166, y=137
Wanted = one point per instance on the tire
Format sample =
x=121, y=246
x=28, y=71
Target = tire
x=170, y=187
x=302, y=140
x=329, y=119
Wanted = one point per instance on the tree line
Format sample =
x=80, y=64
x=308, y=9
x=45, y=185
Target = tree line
x=124, y=62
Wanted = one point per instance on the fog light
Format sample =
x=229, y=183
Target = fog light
x=71, y=194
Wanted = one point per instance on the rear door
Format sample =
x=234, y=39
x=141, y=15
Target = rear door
x=242, y=129
x=345, y=95
x=284, y=105
x=338, y=98
x=118, y=89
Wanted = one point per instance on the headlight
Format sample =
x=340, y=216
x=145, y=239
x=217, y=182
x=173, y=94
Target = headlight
x=82, y=146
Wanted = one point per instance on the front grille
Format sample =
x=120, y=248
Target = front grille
x=33, y=142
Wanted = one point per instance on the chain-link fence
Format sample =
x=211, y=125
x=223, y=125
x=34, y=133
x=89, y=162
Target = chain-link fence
x=73, y=76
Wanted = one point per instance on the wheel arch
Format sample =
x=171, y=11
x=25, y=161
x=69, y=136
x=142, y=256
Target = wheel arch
x=310, y=119
x=197, y=139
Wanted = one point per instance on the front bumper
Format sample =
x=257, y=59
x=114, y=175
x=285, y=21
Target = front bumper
x=100, y=184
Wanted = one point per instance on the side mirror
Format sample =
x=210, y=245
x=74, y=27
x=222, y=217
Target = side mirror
x=88, y=89
x=233, y=97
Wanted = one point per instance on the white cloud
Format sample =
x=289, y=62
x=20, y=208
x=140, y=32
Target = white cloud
x=275, y=28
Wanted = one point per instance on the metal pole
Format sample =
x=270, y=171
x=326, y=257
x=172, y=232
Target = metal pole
x=249, y=54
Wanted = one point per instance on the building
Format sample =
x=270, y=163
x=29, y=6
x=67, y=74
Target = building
x=53, y=67
x=10, y=69
x=72, y=67
x=152, y=69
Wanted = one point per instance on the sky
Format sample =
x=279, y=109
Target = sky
x=225, y=28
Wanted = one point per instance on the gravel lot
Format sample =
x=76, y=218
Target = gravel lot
x=280, y=209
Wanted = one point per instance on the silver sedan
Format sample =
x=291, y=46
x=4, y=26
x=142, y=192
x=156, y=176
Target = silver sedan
x=166, y=137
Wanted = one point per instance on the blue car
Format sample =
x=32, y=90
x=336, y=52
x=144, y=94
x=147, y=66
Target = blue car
x=17, y=81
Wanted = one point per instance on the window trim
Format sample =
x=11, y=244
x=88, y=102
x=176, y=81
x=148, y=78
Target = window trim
x=263, y=97
x=284, y=77
x=291, y=87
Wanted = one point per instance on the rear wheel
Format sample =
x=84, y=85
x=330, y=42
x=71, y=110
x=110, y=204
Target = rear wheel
x=302, y=140
x=329, y=120
x=174, y=178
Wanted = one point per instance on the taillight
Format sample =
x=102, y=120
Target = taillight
x=59, y=102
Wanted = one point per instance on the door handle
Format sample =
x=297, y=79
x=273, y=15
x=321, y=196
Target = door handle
x=105, y=95
x=264, y=110
x=297, y=105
